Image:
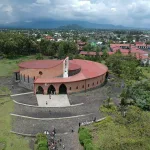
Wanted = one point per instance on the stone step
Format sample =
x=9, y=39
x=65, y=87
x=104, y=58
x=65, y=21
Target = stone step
x=39, y=112
x=34, y=126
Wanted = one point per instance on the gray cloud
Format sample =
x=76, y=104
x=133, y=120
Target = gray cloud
x=119, y=12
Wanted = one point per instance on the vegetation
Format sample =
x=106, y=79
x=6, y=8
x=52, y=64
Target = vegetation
x=122, y=132
x=9, y=141
x=125, y=67
x=85, y=138
x=41, y=142
x=127, y=125
x=13, y=45
x=8, y=66
x=139, y=93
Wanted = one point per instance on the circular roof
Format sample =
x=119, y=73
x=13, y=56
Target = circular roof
x=45, y=64
x=89, y=69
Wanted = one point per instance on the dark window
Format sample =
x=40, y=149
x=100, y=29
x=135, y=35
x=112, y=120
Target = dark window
x=83, y=86
x=88, y=85
x=93, y=84
x=28, y=79
x=70, y=88
x=77, y=87
x=97, y=82
x=40, y=72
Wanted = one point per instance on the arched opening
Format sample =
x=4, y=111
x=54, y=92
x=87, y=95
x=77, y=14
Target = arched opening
x=107, y=75
x=24, y=78
x=40, y=90
x=62, y=89
x=51, y=90
x=28, y=79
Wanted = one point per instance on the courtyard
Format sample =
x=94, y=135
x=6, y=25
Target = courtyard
x=29, y=119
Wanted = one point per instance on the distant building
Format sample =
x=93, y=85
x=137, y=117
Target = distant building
x=49, y=38
x=80, y=45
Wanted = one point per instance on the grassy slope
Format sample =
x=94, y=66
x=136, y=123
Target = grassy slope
x=146, y=71
x=7, y=66
x=13, y=142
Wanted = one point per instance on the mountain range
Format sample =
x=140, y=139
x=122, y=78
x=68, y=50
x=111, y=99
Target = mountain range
x=51, y=24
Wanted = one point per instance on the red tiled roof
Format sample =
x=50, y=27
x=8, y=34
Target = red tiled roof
x=44, y=64
x=40, y=64
x=139, y=43
x=134, y=50
x=89, y=69
x=48, y=37
x=73, y=66
x=89, y=53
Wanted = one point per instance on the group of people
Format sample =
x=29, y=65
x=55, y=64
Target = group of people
x=53, y=144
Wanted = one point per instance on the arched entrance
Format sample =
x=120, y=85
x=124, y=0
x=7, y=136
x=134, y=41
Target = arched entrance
x=51, y=90
x=40, y=90
x=107, y=75
x=62, y=89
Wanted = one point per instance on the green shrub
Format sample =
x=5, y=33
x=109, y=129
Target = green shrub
x=41, y=141
x=43, y=148
x=89, y=146
x=40, y=136
x=84, y=134
x=85, y=138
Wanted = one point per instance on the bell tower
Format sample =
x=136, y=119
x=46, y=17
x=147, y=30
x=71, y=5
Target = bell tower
x=65, y=67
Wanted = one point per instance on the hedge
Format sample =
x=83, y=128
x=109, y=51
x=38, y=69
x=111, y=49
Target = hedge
x=42, y=142
x=85, y=138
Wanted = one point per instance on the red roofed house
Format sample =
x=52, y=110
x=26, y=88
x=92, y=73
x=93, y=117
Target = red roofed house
x=49, y=38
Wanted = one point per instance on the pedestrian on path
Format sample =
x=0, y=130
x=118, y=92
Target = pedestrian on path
x=49, y=96
x=54, y=131
x=79, y=124
x=94, y=119
x=46, y=103
x=72, y=130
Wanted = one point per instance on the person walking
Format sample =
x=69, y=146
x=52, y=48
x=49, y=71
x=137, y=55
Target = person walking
x=79, y=124
x=49, y=96
x=94, y=119
x=46, y=103
x=54, y=131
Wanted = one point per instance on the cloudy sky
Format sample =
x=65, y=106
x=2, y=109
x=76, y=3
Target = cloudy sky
x=118, y=12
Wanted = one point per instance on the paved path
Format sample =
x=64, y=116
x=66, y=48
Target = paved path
x=62, y=118
x=21, y=94
x=52, y=100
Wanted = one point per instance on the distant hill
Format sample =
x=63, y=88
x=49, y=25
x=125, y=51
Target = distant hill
x=71, y=27
x=50, y=24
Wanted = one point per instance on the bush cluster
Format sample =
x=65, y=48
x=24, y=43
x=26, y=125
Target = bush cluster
x=85, y=138
x=42, y=142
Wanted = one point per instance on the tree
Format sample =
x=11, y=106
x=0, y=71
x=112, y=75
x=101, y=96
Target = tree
x=84, y=39
x=105, y=55
x=61, y=51
x=125, y=67
x=39, y=56
x=122, y=133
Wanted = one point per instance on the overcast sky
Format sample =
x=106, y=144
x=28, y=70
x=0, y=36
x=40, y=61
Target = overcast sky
x=118, y=12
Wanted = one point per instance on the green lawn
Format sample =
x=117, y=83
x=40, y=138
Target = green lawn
x=7, y=139
x=146, y=71
x=12, y=141
x=8, y=66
